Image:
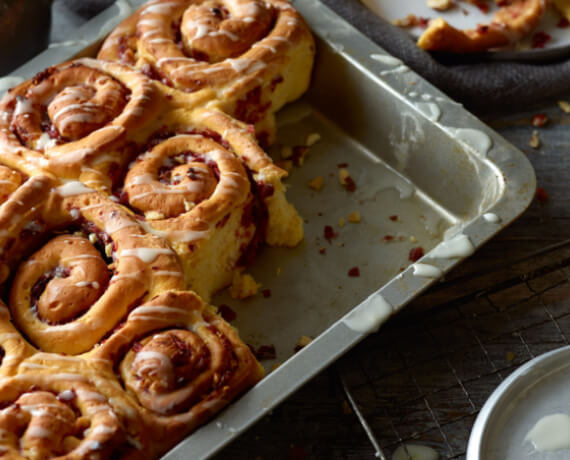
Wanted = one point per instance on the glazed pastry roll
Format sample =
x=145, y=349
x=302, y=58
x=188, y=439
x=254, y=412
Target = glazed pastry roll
x=205, y=186
x=78, y=263
x=257, y=55
x=179, y=363
x=77, y=120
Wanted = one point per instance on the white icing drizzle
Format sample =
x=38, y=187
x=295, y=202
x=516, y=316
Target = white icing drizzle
x=474, y=138
x=93, y=284
x=385, y=59
x=66, y=395
x=427, y=270
x=550, y=433
x=161, y=310
x=38, y=431
x=400, y=69
x=491, y=218
x=430, y=109
x=167, y=273
x=102, y=429
x=458, y=246
x=9, y=336
x=44, y=141
x=23, y=106
x=369, y=315
x=147, y=255
x=154, y=361
x=73, y=188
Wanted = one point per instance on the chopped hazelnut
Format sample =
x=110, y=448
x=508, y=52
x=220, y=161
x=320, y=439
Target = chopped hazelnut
x=354, y=217
x=109, y=249
x=92, y=238
x=312, y=139
x=440, y=5
x=243, y=286
x=316, y=183
x=564, y=106
x=534, y=141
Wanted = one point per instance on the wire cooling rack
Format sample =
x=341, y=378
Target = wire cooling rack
x=425, y=377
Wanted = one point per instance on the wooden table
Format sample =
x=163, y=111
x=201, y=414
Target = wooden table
x=425, y=375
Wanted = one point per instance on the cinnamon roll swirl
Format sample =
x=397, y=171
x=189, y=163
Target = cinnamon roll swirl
x=77, y=120
x=80, y=263
x=180, y=362
x=257, y=55
x=56, y=415
x=213, y=194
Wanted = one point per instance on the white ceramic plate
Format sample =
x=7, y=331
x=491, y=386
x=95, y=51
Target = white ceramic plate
x=391, y=10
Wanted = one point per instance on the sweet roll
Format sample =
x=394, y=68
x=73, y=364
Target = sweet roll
x=258, y=55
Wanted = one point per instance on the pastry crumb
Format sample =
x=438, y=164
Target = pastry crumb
x=317, y=183
x=278, y=271
x=343, y=175
x=440, y=5
x=312, y=139
x=302, y=342
x=275, y=366
x=534, y=141
x=510, y=356
x=341, y=222
x=354, y=217
x=413, y=239
x=243, y=286
x=287, y=165
x=153, y=215
x=286, y=152
x=564, y=106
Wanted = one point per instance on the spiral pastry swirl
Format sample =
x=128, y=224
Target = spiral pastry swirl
x=258, y=55
x=56, y=415
x=90, y=263
x=181, y=363
x=75, y=120
x=214, y=195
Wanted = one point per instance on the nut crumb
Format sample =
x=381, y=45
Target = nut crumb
x=109, y=249
x=243, y=286
x=440, y=5
x=286, y=152
x=343, y=175
x=153, y=215
x=534, y=141
x=341, y=222
x=312, y=139
x=302, y=342
x=564, y=106
x=316, y=183
x=354, y=217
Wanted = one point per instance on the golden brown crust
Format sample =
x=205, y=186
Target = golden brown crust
x=258, y=55
x=508, y=26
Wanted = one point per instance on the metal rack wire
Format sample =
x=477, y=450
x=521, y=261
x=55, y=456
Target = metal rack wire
x=425, y=377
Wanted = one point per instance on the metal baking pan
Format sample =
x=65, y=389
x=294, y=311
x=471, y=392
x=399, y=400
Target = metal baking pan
x=427, y=173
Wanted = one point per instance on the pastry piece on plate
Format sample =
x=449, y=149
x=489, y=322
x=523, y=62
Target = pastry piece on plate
x=509, y=24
